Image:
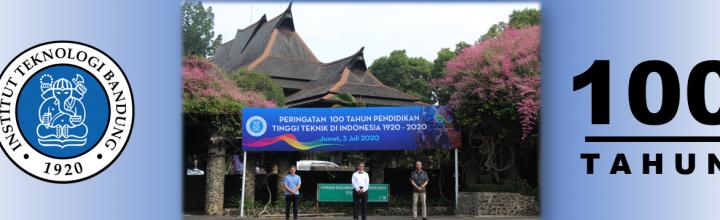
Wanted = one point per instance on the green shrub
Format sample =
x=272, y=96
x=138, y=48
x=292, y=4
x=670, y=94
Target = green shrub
x=235, y=201
x=535, y=192
x=259, y=82
x=486, y=179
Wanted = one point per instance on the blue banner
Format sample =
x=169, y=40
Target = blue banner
x=363, y=128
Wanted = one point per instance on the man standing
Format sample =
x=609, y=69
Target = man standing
x=292, y=195
x=419, y=180
x=360, y=183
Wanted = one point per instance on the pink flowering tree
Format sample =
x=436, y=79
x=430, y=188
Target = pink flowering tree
x=214, y=99
x=495, y=89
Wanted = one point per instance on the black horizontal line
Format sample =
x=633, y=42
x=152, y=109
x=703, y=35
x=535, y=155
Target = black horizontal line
x=652, y=138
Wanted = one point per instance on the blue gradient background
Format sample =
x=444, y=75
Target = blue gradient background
x=626, y=33
x=145, y=182
x=143, y=37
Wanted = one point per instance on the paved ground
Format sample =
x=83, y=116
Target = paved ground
x=203, y=217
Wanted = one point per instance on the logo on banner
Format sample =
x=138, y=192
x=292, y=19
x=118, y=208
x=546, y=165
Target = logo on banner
x=443, y=118
x=256, y=126
x=67, y=111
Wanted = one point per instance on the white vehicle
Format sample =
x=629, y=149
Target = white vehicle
x=193, y=172
x=306, y=165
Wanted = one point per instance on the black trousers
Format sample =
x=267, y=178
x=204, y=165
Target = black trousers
x=294, y=200
x=356, y=199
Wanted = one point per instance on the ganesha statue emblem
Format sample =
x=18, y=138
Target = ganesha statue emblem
x=62, y=114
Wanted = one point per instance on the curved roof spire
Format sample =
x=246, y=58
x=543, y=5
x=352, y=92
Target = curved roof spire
x=255, y=29
x=286, y=20
x=358, y=61
x=360, y=51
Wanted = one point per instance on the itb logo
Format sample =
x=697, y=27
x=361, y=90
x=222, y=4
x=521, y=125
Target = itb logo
x=66, y=111
x=256, y=126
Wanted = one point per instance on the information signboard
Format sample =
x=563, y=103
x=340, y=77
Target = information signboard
x=330, y=192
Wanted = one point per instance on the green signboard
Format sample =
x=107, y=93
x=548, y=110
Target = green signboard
x=328, y=192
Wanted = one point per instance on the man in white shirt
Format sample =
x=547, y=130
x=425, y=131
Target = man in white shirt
x=360, y=183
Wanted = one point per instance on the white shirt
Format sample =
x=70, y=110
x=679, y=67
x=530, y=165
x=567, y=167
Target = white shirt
x=359, y=180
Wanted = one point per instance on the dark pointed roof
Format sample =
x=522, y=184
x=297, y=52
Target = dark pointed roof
x=250, y=43
x=273, y=46
x=349, y=75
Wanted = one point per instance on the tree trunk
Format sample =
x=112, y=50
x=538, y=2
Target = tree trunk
x=471, y=173
x=250, y=165
x=283, y=170
x=377, y=176
x=215, y=180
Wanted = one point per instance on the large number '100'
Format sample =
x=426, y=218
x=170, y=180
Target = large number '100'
x=599, y=75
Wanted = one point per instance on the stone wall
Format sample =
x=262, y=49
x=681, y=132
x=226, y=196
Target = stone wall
x=215, y=181
x=485, y=203
x=397, y=211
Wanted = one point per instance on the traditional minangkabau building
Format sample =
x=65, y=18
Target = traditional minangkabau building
x=274, y=47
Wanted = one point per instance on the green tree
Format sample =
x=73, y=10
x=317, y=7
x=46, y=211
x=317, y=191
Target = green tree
x=492, y=32
x=198, y=35
x=525, y=18
x=440, y=95
x=518, y=19
x=460, y=46
x=407, y=74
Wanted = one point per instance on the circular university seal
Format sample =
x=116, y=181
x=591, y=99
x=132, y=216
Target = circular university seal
x=256, y=126
x=66, y=111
